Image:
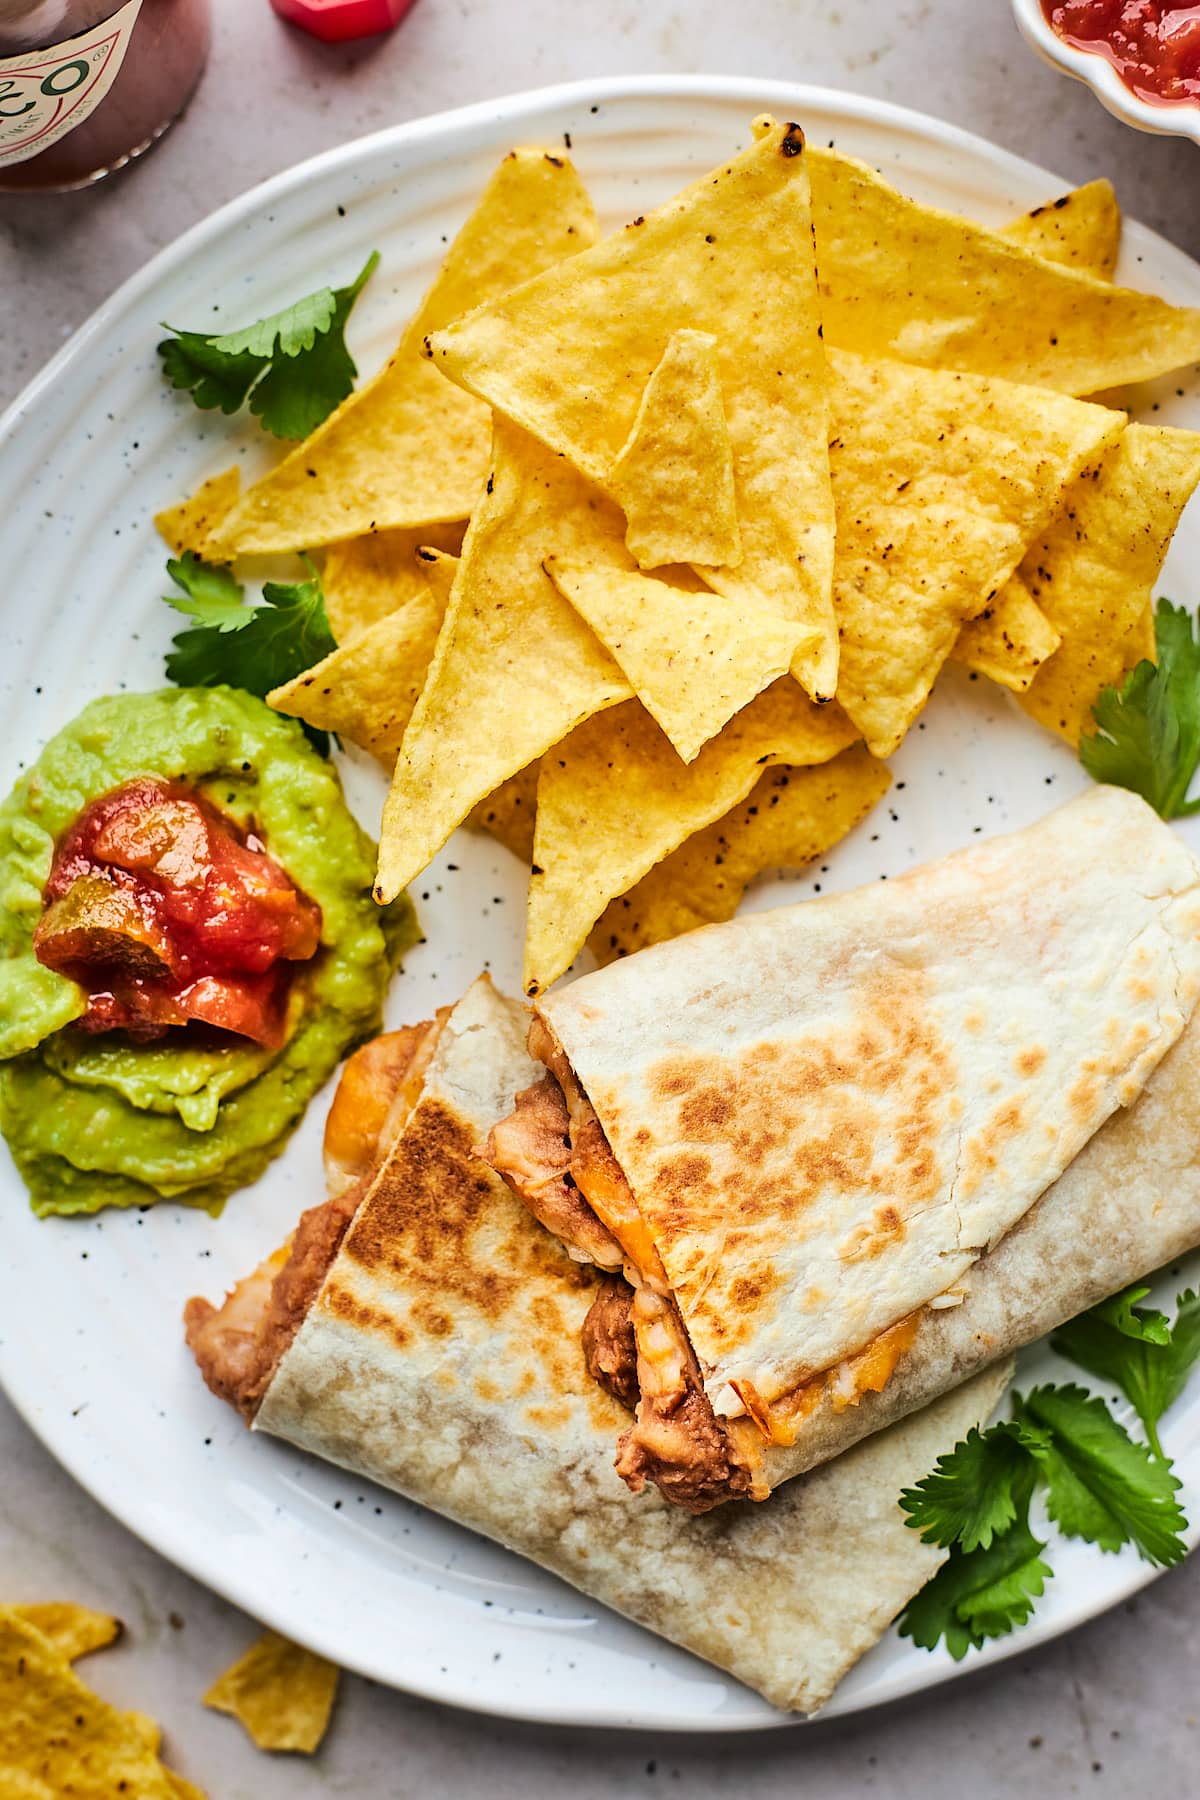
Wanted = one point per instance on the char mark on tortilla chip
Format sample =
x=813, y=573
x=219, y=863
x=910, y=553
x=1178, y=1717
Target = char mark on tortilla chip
x=1081, y=229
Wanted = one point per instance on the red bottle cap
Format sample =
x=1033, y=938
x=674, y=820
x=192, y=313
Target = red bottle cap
x=336, y=20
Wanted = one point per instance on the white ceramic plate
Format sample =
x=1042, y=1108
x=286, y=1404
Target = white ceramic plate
x=90, y=1343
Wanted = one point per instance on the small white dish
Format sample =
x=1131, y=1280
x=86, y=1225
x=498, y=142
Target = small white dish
x=1178, y=119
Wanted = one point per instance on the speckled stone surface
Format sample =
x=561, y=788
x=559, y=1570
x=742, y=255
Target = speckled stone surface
x=1110, y=1707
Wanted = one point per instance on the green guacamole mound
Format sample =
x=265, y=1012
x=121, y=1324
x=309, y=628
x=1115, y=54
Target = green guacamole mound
x=103, y=1121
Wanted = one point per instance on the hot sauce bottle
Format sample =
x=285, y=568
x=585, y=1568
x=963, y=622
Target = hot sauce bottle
x=86, y=85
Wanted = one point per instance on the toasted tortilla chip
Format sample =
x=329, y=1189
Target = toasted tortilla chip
x=1142, y=643
x=408, y=449
x=1092, y=571
x=904, y=280
x=58, y=1738
x=515, y=668
x=616, y=798
x=789, y=817
x=674, y=478
x=941, y=480
x=692, y=657
x=508, y=814
x=569, y=354
x=366, y=689
x=73, y=1630
x=197, y=521
x=366, y=578
x=1081, y=229
x=283, y=1695
x=1010, y=639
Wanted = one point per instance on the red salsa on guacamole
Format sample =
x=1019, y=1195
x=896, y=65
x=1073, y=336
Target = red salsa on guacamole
x=1154, y=47
x=166, y=914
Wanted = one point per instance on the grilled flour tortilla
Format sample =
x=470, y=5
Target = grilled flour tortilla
x=439, y=1351
x=797, y=1134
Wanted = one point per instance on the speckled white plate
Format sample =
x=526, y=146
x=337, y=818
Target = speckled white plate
x=90, y=1343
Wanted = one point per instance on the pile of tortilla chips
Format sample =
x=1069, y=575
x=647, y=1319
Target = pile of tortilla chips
x=643, y=552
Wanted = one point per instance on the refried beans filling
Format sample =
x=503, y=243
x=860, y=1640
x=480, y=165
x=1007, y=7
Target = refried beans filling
x=238, y=1345
x=552, y=1151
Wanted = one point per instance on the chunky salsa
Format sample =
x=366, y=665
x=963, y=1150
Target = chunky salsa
x=167, y=915
x=1154, y=47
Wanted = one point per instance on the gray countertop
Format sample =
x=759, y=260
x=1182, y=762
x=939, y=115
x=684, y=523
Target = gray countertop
x=1109, y=1706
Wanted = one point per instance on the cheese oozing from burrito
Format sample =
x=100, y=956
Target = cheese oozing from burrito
x=817, y=1119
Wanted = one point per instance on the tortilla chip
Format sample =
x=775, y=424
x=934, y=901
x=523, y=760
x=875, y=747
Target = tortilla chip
x=508, y=814
x=73, y=1630
x=941, y=480
x=692, y=658
x=366, y=578
x=789, y=817
x=408, y=449
x=195, y=521
x=283, y=1695
x=1142, y=643
x=615, y=799
x=58, y=1738
x=569, y=354
x=1092, y=571
x=1081, y=229
x=366, y=689
x=515, y=668
x=904, y=280
x=1010, y=639
x=674, y=478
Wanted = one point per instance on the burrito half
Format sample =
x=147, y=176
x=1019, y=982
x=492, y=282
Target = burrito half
x=423, y=1331
x=792, y=1139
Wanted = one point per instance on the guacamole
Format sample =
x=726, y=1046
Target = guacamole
x=99, y=1120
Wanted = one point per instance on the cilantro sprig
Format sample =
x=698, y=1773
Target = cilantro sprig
x=1098, y=1483
x=1147, y=733
x=257, y=648
x=293, y=365
x=1135, y=1349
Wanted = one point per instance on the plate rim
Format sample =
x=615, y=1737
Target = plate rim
x=172, y=1541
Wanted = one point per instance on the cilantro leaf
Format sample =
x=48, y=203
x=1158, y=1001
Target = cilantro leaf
x=1149, y=1373
x=1124, y=1314
x=293, y=365
x=971, y=1495
x=257, y=648
x=210, y=594
x=981, y=1593
x=295, y=328
x=214, y=378
x=1148, y=730
x=1100, y=1484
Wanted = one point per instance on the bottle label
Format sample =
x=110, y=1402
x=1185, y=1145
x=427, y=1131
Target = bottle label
x=44, y=94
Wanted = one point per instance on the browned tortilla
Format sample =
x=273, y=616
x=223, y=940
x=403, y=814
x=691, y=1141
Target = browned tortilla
x=443, y=1357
